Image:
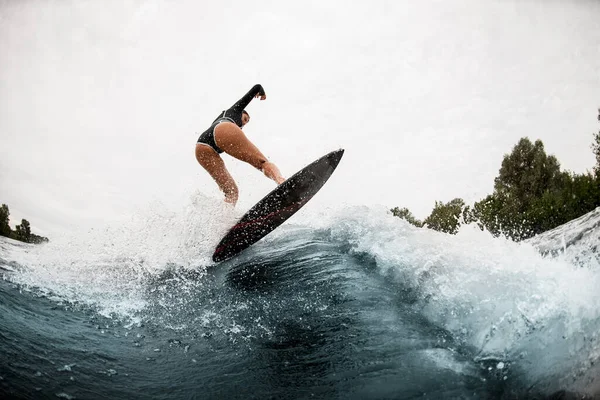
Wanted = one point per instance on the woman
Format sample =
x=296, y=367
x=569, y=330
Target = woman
x=225, y=135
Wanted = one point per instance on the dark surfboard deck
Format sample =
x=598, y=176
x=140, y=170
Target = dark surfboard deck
x=276, y=207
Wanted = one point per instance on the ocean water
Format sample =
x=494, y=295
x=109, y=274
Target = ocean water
x=348, y=302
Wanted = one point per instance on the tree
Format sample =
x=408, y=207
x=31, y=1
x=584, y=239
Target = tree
x=4, y=218
x=579, y=194
x=23, y=231
x=526, y=193
x=596, y=150
x=38, y=239
x=526, y=174
x=446, y=217
x=405, y=214
x=531, y=194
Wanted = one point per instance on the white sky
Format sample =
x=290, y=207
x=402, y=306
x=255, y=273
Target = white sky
x=100, y=101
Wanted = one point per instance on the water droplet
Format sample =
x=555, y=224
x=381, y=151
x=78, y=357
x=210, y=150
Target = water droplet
x=67, y=367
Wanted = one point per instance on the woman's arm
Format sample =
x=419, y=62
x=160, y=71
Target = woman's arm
x=256, y=91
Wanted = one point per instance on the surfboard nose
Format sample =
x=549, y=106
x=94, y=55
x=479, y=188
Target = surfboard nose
x=335, y=156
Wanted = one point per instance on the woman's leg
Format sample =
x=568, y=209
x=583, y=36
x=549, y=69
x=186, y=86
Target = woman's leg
x=214, y=165
x=232, y=140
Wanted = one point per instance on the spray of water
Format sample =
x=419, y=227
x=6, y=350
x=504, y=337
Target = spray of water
x=109, y=267
x=504, y=300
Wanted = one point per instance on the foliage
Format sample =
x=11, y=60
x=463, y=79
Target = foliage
x=405, y=214
x=577, y=195
x=526, y=174
x=531, y=195
x=596, y=150
x=4, y=218
x=496, y=214
x=22, y=232
x=446, y=217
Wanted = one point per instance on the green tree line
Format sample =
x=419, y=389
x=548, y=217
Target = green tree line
x=22, y=231
x=531, y=195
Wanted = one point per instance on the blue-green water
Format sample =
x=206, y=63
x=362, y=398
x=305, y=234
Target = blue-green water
x=357, y=304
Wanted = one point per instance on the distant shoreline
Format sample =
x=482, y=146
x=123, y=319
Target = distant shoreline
x=22, y=232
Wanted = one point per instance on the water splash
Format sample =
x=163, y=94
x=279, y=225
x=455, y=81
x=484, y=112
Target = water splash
x=523, y=318
x=109, y=267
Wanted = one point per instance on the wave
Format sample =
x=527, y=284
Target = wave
x=354, y=284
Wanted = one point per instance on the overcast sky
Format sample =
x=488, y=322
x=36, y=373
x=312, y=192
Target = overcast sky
x=100, y=101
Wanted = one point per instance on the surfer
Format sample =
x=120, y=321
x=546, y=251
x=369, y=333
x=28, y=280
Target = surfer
x=225, y=136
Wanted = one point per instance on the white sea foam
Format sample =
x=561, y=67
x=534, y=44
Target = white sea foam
x=108, y=267
x=503, y=299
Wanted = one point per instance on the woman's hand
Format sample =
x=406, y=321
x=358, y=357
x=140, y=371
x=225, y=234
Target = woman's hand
x=261, y=96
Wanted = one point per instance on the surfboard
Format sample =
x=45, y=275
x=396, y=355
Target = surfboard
x=276, y=207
